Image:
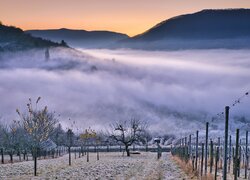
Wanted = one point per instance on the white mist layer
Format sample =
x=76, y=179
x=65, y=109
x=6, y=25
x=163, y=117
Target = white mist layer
x=173, y=91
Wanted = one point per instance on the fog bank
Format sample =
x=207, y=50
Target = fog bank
x=173, y=90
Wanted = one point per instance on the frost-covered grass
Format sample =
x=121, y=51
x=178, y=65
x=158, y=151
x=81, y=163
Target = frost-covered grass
x=110, y=166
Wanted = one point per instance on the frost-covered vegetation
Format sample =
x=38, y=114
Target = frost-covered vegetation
x=38, y=133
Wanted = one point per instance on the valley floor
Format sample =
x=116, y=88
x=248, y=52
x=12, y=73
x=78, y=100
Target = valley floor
x=110, y=166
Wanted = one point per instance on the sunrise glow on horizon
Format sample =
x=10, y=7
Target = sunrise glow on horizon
x=129, y=17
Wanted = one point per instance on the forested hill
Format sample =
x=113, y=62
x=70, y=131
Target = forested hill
x=211, y=28
x=80, y=38
x=14, y=39
x=205, y=24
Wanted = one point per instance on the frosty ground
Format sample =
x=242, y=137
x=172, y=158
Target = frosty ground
x=110, y=166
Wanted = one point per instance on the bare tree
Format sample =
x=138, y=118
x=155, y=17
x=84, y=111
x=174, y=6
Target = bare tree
x=20, y=138
x=89, y=137
x=23, y=141
x=9, y=140
x=38, y=124
x=69, y=143
x=127, y=132
x=70, y=140
x=13, y=139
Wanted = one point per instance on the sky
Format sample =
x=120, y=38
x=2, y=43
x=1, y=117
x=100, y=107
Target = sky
x=127, y=16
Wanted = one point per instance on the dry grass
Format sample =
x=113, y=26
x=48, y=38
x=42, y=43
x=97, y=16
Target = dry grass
x=220, y=164
x=207, y=177
x=188, y=169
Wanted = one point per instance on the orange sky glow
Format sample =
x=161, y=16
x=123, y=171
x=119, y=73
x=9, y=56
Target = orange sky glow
x=126, y=16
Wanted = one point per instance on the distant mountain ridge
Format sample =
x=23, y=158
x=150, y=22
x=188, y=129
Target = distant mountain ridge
x=14, y=39
x=212, y=28
x=80, y=38
x=206, y=29
x=205, y=24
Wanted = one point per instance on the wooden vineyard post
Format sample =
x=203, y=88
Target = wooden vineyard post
x=219, y=151
x=225, y=143
x=186, y=150
x=233, y=159
x=230, y=152
x=196, y=149
x=216, y=162
x=236, y=158
x=211, y=156
x=190, y=147
x=239, y=161
x=202, y=157
x=246, y=155
x=206, y=148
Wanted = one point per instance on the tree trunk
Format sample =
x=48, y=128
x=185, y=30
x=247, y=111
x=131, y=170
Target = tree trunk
x=2, y=156
x=69, y=157
x=127, y=150
x=11, y=158
x=88, y=154
x=20, y=158
x=97, y=154
x=35, y=161
x=24, y=153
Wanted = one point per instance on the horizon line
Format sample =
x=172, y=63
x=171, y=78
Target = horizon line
x=114, y=31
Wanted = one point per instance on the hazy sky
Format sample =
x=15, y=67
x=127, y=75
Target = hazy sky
x=126, y=16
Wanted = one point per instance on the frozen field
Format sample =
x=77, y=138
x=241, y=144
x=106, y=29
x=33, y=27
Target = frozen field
x=110, y=166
